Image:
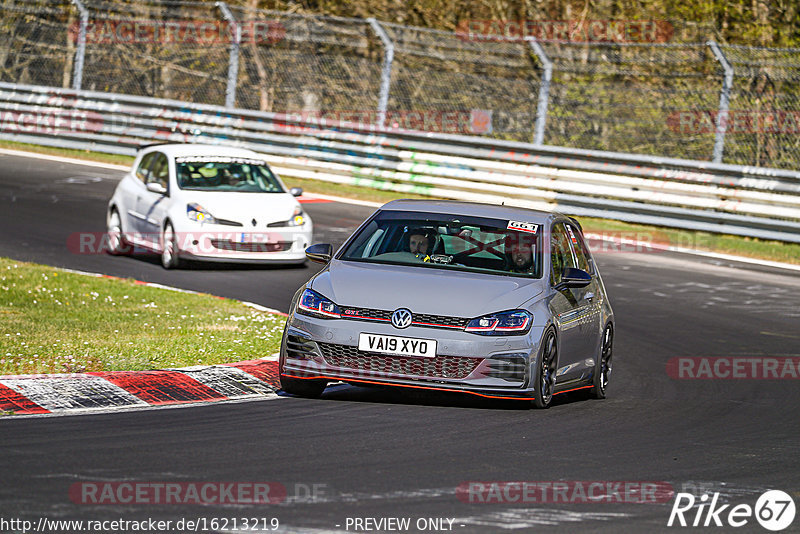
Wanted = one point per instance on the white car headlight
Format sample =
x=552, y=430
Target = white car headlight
x=196, y=212
x=298, y=218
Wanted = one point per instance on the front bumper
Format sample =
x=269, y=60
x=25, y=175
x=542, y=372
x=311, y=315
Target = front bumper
x=285, y=245
x=490, y=366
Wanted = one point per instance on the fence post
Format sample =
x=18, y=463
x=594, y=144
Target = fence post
x=544, y=91
x=386, y=72
x=80, y=51
x=724, y=100
x=233, y=60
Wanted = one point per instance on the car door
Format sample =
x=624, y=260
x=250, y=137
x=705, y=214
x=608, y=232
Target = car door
x=132, y=187
x=590, y=297
x=151, y=206
x=568, y=307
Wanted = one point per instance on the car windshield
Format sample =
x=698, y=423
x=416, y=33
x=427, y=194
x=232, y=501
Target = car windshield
x=243, y=175
x=452, y=242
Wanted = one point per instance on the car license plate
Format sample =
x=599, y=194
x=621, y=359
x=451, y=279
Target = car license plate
x=403, y=346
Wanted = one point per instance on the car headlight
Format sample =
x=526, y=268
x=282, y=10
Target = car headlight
x=196, y=212
x=506, y=323
x=312, y=303
x=298, y=218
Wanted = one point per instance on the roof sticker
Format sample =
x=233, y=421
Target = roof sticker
x=519, y=226
x=220, y=159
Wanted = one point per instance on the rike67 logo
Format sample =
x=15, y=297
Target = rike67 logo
x=774, y=510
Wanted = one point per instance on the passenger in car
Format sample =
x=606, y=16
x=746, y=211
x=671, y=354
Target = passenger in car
x=519, y=252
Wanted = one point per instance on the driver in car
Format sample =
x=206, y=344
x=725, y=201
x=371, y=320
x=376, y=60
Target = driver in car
x=421, y=243
x=232, y=177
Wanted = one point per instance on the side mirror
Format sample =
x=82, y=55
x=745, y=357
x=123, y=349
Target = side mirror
x=573, y=277
x=296, y=191
x=156, y=187
x=320, y=253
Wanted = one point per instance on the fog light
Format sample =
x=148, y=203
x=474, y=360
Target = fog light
x=508, y=367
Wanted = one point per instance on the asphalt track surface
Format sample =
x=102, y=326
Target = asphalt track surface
x=382, y=453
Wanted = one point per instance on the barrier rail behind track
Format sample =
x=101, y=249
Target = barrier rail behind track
x=746, y=201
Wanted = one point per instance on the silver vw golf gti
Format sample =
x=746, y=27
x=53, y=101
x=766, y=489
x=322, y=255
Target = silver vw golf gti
x=495, y=301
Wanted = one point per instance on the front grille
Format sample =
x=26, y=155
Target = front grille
x=224, y=244
x=365, y=314
x=423, y=319
x=348, y=357
x=419, y=319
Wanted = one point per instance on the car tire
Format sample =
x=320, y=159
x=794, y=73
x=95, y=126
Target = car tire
x=117, y=246
x=544, y=378
x=602, y=367
x=303, y=387
x=169, y=248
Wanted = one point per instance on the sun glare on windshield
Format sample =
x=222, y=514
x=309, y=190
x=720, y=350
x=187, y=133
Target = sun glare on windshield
x=241, y=175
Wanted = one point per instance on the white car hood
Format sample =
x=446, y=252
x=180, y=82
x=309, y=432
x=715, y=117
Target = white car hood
x=265, y=208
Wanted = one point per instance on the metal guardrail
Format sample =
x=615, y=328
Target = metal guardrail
x=746, y=201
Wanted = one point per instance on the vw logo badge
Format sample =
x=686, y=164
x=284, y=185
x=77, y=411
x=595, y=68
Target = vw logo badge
x=401, y=318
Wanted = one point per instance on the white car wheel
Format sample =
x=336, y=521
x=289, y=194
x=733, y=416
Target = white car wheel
x=116, y=242
x=169, y=248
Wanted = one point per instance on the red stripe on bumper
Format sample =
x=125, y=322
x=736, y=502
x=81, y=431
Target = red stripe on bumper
x=429, y=388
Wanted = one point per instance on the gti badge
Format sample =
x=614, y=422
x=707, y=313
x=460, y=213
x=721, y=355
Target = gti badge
x=401, y=318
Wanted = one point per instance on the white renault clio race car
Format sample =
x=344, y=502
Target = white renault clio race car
x=209, y=203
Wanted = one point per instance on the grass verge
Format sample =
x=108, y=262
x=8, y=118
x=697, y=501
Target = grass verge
x=54, y=321
x=348, y=191
x=703, y=241
x=68, y=153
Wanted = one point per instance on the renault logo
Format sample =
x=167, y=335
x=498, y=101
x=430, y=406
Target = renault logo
x=401, y=318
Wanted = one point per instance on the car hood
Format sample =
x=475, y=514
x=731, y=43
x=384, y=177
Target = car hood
x=243, y=207
x=423, y=289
